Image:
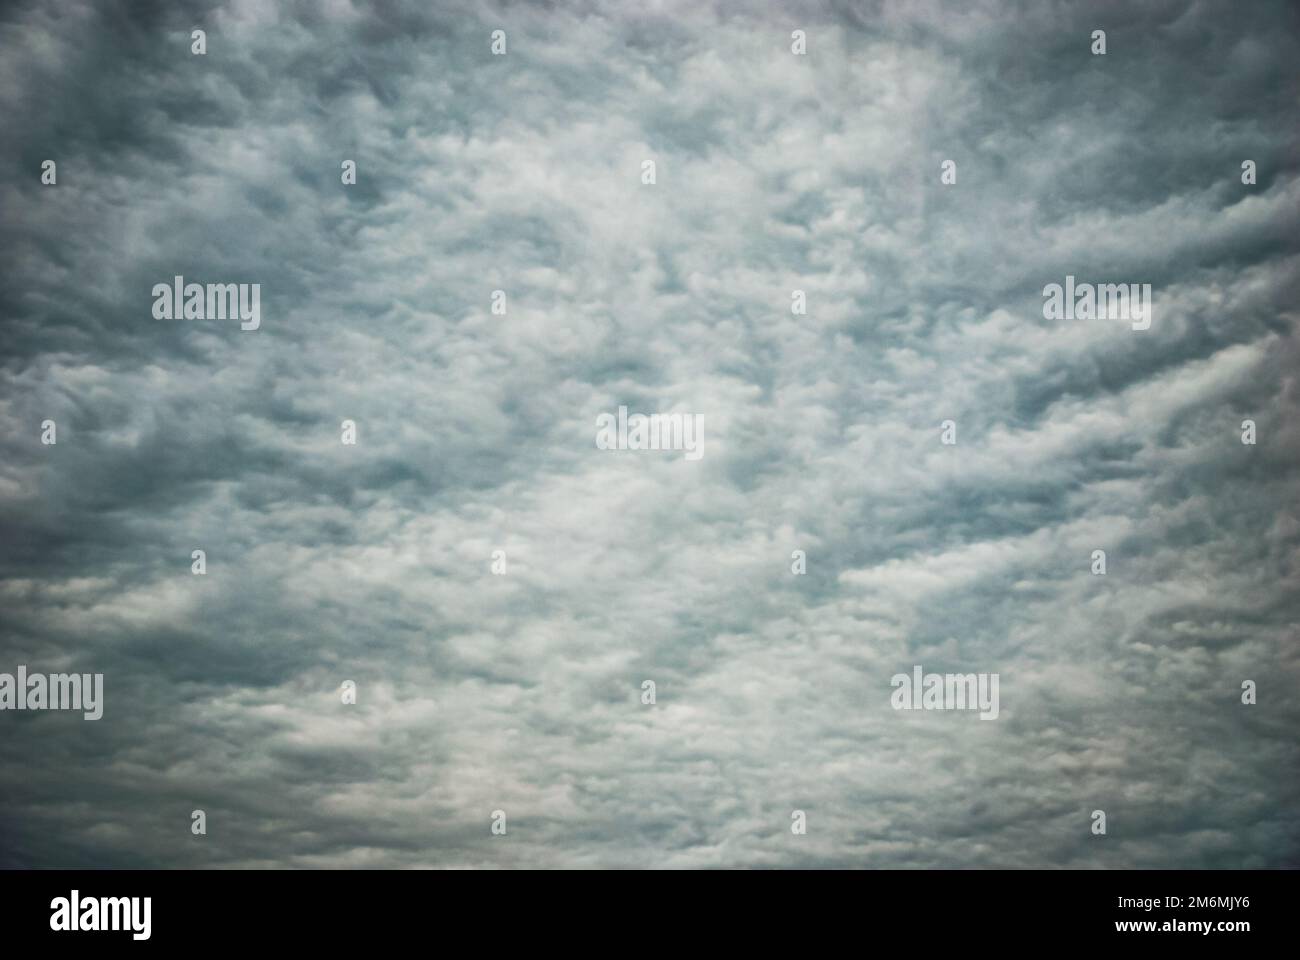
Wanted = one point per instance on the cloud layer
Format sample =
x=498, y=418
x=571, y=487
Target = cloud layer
x=521, y=692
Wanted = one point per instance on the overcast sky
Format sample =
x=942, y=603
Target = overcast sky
x=521, y=692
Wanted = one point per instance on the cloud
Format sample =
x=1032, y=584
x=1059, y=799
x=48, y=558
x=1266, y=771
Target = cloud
x=521, y=692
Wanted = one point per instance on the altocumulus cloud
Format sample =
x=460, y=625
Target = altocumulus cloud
x=521, y=692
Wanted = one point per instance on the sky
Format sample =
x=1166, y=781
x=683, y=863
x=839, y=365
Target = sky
x=521, y=691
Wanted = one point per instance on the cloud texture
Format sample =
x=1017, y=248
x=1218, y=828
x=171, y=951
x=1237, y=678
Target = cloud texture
x=476, y=433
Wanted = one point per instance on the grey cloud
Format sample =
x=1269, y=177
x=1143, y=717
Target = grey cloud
x=521, y=692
